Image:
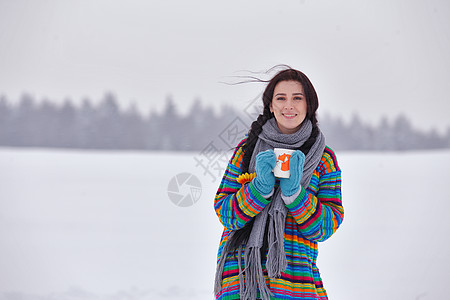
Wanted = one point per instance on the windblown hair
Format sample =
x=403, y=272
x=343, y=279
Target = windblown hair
x=312, y=102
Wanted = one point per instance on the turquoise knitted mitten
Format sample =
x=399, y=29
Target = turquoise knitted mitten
x=264, y=164
x=289, y=186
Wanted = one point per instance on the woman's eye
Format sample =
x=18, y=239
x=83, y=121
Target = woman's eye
x=280, y=98
x=298, y=98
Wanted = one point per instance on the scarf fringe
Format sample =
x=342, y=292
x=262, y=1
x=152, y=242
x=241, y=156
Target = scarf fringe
x=221, y=264
x=276, y=258
x=254, y=276
x=241, y=272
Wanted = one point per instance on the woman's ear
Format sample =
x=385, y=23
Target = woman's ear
x=270, y=107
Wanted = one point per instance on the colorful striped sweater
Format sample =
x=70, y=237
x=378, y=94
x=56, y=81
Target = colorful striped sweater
x=313, y=217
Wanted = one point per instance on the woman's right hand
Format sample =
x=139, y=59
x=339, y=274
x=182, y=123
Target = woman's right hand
x=265, y=179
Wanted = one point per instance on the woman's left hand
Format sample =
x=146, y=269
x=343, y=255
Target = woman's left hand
x=289, y=186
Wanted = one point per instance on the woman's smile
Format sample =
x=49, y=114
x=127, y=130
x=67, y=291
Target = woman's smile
x=289, y=116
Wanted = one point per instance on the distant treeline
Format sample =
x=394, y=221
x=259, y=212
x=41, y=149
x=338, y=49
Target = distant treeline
x=106, y=126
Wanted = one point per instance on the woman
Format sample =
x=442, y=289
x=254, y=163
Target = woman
x=268, y=248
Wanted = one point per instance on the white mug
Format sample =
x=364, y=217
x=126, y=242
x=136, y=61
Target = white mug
x=281, y=169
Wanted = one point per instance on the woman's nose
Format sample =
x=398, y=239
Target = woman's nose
x=288, y=105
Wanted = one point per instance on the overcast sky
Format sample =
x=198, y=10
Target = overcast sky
x=370, y=57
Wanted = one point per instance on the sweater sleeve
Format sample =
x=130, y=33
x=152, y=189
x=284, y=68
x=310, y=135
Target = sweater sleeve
x=236, y=204
x=319, y=212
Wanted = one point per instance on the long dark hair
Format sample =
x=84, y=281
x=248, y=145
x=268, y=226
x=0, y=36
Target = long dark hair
x=312, y=103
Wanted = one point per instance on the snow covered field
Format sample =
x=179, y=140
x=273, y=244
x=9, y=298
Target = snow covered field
x=100, y=225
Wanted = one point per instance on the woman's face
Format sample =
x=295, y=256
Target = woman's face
x=289, y=106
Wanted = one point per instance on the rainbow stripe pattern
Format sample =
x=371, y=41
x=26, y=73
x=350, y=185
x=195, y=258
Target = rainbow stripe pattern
x=313, y=217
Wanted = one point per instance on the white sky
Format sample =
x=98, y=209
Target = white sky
x=371, y=57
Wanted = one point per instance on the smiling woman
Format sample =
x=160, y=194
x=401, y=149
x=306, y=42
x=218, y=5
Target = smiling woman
x=289, y=106
x=268, y=248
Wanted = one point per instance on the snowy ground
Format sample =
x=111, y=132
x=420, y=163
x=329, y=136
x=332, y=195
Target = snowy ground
x=100, y=225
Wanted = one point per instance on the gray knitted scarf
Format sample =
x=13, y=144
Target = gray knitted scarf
x=274, y=213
